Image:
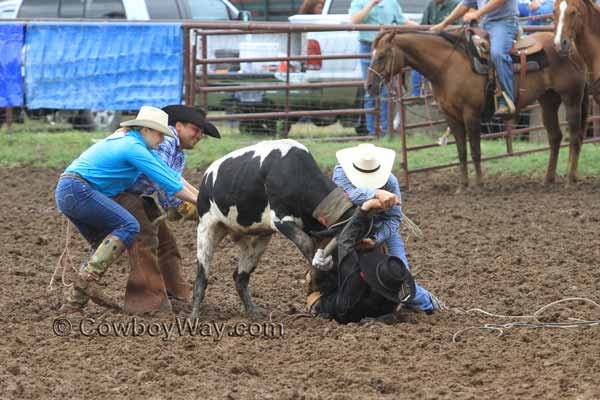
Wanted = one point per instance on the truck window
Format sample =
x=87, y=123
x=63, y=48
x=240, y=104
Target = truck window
x=38, y=9
x=71, y=9
x=339, y=7
x=105, y=9
x=161, y=9
x=209, y=10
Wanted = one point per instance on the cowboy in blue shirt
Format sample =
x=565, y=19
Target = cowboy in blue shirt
x=154, y=259
x=500, y=21
x=364, y=173
x=85, y=191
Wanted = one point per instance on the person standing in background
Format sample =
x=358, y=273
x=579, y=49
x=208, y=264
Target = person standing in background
x=434, y=13
x=311, y=7
x=375, y=12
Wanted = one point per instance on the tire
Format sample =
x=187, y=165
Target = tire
x=361, y=126
x=97, y=120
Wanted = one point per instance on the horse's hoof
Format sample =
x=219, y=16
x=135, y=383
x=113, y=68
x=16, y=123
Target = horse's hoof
x=461, y=189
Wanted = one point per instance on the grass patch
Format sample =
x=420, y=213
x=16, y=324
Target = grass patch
x=57, y=148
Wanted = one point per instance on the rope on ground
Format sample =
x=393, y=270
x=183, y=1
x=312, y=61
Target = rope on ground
x=65, y=255
x=533, y=323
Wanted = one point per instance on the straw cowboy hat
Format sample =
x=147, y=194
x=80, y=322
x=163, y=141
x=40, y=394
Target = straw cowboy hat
x=366, y=165
x=152, y=118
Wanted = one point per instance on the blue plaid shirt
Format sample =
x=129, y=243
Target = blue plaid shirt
x=385, y=224
x=170, y=153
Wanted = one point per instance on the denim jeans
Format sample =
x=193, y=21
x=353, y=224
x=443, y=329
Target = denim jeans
x=502, y=33
x=94, y=214
x=396, y=248
x=416, y=82
x=365, y=47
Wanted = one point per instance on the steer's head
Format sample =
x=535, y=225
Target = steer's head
x=387, y=60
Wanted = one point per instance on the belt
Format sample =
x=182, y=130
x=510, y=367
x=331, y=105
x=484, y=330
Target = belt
x=72, y=175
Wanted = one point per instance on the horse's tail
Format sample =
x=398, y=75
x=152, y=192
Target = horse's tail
x=585, y=107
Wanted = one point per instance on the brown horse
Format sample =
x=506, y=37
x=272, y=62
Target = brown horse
x=460, y=92
x=578, y=22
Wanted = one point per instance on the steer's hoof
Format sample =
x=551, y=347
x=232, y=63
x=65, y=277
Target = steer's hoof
x=257, y=313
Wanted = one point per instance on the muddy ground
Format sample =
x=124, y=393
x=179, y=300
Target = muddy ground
x=509, y=249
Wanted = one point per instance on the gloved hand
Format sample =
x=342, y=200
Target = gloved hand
x=188, y=211
x=322, y=263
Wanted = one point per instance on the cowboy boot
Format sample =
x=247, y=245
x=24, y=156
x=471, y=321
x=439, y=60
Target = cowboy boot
x=169, y=260
x=85, y=286
x=506, y=108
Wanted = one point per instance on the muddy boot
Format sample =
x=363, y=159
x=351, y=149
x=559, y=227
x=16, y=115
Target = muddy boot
x=85, y=286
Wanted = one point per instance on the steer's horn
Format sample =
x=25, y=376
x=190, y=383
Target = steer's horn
x=329, y=248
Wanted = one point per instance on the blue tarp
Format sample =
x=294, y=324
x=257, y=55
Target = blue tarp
x=103, y=66
x=11, y=83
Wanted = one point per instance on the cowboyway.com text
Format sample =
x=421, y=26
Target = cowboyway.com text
x=166, y=330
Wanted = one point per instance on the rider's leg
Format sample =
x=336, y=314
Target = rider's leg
x=502, y=33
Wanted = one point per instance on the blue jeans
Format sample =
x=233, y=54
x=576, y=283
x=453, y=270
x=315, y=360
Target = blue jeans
x=417, y=83
x=94, y=214
x=365, y=47
x=502, y=33
x=396, y=248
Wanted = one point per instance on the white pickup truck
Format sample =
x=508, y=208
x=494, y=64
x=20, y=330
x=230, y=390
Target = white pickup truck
x=314, y=71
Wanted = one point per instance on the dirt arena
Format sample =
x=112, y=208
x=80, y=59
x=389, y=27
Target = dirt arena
x=509, y=249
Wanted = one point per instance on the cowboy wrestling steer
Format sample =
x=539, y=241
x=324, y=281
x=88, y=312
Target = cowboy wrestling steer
x=252, y=193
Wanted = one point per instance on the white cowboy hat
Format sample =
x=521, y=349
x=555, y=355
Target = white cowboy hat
x=153, y=118
x=366, y=165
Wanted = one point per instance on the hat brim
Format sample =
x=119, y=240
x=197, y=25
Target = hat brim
x=146, y=123
x=398, y=291
x=183, y=114
x=362, y=180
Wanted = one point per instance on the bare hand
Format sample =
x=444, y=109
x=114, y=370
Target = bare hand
x=437, y=28
x=387, y=199
x=366, y=244
x=471, y=16
x=375, y=2
x=372, y=204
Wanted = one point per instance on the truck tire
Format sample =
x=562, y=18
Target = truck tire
x=97, y=120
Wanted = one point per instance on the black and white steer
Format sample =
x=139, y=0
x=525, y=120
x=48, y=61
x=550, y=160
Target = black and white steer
x=251, y=193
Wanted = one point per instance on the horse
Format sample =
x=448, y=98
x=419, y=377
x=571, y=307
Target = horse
x=577, y=22
x=443, y=58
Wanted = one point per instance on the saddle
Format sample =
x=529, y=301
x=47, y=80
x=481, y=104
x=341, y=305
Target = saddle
x=527, y=53
x=527, y=56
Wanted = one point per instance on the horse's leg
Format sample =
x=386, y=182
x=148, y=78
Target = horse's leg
x=458, y=130
x=576, y=132
x=473, y=128
x=550, y=103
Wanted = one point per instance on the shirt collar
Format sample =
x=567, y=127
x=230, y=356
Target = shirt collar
x=174, y=131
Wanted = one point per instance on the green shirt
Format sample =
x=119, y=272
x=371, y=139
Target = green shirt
x=435, y=13
x=387, y=12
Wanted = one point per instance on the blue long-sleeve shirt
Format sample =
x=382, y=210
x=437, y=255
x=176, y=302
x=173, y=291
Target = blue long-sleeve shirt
x=170, y=152
x=385, y=224
x=114, y=163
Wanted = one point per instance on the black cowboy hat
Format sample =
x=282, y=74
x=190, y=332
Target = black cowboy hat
x=196, y=116
x=388, y=276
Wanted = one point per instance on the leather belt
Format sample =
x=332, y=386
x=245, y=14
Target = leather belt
x=72, y=175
